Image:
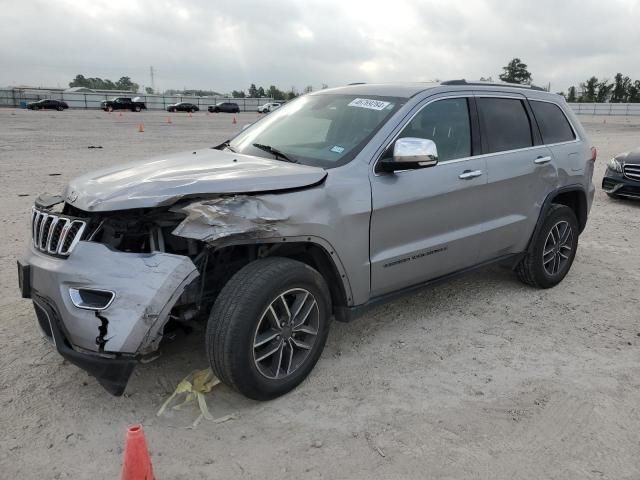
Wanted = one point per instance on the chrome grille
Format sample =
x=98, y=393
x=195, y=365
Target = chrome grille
x=55, y=234
x=632, y=172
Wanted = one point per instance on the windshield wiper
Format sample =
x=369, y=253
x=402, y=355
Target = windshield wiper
x=226, y=144
x=275, y=152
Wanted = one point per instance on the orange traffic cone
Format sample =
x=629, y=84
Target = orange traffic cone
x=168, y=119
x=234, y=120
x=141, y=128
x=137, y=463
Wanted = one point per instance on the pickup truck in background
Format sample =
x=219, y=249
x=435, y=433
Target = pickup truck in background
x=122, y=103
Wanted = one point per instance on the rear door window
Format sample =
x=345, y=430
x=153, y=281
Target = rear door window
x=505, y=124
x=554, y=126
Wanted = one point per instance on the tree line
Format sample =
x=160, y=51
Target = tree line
x=97, y=83
x=622, y=90
x=272, y=92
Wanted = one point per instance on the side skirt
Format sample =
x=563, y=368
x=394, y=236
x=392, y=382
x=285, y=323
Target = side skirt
x=348, y=314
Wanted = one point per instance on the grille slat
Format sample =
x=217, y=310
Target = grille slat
x=632, y=172
x=55, y=234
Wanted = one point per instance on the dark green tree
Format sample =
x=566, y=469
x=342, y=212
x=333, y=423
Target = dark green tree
x=253, y=91
x=620, y=87
x=238, y=94
x=633, y=92
x=125, y=83
x=149, y=90
x=276, y=93
x=604, y=90
x=589, y=89
x=571, y=94
x=261, y=92
x=516, y=72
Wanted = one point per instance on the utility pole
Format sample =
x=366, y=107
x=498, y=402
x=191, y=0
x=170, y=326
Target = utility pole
x=153, y=83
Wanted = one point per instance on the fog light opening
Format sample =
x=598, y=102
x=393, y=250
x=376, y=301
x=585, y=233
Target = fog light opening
x=91, y=298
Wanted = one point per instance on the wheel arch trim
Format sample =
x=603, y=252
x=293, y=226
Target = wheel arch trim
x=581, y=207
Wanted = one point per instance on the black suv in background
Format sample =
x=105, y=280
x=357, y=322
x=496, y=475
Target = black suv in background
x=226, y=107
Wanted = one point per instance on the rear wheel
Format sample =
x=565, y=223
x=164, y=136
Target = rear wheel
x=553, y=251
x=137, y=108
x=59, y=108
x=268, y=327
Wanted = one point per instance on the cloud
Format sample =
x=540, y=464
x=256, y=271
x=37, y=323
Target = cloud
x=227, y=45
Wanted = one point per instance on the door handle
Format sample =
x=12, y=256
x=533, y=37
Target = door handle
x=542, y=160
x=469, y=174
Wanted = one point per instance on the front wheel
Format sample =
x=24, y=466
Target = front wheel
x=137, y=108
x=554, y=249
x=268, y=327
x=59, y=109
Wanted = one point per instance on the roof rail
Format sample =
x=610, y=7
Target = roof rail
x=357, y=83
x=492, y=84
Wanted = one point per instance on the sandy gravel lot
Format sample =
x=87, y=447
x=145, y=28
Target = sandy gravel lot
x=480, y=378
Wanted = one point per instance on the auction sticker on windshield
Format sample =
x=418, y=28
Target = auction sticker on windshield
x=369, y=103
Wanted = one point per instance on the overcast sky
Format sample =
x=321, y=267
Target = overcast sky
x=224, y=45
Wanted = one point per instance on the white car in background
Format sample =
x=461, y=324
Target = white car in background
x=269, y=107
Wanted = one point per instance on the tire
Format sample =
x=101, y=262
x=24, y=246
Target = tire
x=194, y=110
x=242, y=314
x=614, y=196
x=137, y=108
x=59, y=109
x=546, y=271
x=216, y=110
x=109, y=109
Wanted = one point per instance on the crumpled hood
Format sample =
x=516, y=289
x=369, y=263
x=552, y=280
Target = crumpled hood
x=164, y=180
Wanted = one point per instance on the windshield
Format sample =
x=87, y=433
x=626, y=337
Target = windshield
x=323, y=130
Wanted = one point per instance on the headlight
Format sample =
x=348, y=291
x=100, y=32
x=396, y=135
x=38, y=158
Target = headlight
x=615, y=165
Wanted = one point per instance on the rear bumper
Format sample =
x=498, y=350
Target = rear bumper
x=105, y=341
x=617, y=184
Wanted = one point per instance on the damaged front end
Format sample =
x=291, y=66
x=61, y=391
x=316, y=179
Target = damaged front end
x=105, y=285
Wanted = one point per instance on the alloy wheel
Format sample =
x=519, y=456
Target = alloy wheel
x=557, y=248
x=286, y=333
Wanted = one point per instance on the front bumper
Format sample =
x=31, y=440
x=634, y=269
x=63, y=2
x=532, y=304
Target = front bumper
x=108, y=342
x=616, y=183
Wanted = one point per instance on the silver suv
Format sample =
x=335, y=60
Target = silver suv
x=335, y=202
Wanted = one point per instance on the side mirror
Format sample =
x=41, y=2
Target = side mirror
x=411, y=153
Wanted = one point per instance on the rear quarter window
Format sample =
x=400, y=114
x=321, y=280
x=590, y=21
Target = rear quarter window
x=554, y=126
x=505, y=123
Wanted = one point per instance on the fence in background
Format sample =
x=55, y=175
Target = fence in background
x=15, y=97
x=617, y=109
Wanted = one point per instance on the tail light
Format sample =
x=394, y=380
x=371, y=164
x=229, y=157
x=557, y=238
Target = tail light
x=594, y=154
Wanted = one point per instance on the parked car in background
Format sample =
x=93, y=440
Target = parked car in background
x=183, y=107
x=122, y=103
x=622, y=177
x=226, y=107
x=343, y=199
x=48, y=105
x=269, y=107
